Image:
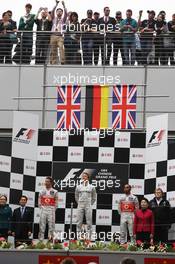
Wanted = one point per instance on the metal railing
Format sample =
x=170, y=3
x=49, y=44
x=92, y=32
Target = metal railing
x=87, y=48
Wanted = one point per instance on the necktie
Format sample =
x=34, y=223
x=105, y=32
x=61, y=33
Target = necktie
x=22, y=211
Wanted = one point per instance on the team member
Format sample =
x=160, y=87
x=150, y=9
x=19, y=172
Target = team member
x=85, y=196
x=48, y=202
x=144, y=223
x=128, y=204
x=5, y=217
x=22, y=221
x=161, y=210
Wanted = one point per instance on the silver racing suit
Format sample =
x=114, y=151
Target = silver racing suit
x=48, y=202
x=85, y=196
x=128, y=204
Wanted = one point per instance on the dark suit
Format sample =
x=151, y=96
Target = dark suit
x=106, y=42
x=161, y=213
x=22, y=224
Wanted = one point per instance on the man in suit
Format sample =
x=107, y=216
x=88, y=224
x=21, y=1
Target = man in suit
x=106, y=25
x=161, y=210
x=22, y=221
x=42, y=38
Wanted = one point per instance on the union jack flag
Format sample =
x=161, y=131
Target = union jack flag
x=68, y=106
x=124, y=107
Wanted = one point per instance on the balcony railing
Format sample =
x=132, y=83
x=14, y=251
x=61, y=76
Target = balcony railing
x=87, y=48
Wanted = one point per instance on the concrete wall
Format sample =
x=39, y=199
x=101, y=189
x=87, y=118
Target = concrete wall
x=29, y=81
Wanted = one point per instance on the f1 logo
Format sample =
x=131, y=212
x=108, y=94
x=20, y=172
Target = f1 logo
x=157, y=135
x=22, y=132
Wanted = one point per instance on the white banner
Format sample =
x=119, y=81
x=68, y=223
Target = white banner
x=25, y=135
x=157, y=138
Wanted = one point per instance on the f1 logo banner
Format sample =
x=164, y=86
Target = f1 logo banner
x=157, y=138
x=44, y=259
x=25, y=135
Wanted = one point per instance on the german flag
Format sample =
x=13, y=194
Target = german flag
x=97, y=107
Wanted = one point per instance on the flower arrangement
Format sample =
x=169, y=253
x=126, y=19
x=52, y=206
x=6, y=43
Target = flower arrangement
x=4, y=244
x=88, y=245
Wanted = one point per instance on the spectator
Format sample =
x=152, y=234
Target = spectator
x=11, y=20
x=144, y=223
x=72, y=41
x=129, y=26
x=137, y=38
x=24, y=48
x=159, y=41
x=22, y=221
x=171, y=48
x=107, y=24
x=7, y=36
x=87, y=38
x=161, y=211
x=128, y=261
x=96, y=38
x=117, y=40
x=42, y=39
x=147, y=29
x=57, y=38
x=5, y=217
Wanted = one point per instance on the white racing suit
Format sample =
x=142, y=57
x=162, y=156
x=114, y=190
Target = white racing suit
x=48, y=202
x=85, y=196
x=128, y=204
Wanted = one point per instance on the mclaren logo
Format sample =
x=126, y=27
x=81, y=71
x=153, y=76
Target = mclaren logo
x=24, y=135
x=156, y=138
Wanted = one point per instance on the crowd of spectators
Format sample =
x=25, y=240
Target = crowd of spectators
x=94, y=40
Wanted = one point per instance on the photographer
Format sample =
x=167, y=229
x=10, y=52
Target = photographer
x=42, y=39
x=147, y=29
x=57, y=37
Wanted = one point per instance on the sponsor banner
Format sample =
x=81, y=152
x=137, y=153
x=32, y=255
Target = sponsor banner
x=61, y=200
x=137, y=155
x=171, y=168
x=157, y=138
x=40, y=183
x=31, y=198
x=43, y=259
x=30, y=167
x=75, y=154
x=106, y=155
x=45, y=153
x=159, y=261
x=137, y=186
x=16, y=181
x=103, y=217
x=91, y=138
x=161, y=182
x=60, y=138
x=59, y=228
x=68, y=216
x=122, y=139
x=106, y=178
x=171, y=198
x=115, y=199
x=5, y=163
x=37, y=213
x=150, y=170
x=25, y=135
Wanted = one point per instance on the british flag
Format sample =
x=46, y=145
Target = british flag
x=124, y=107
x=68, y=106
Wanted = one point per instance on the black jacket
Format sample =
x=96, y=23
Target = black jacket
x=22, y=225
x=161, y=212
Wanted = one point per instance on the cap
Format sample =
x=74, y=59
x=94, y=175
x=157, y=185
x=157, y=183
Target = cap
x=151, y=11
